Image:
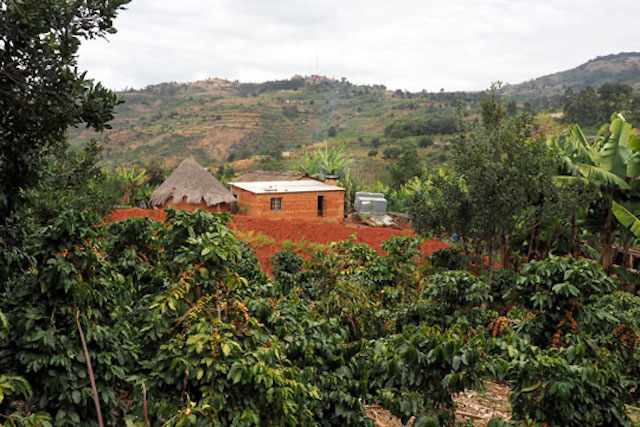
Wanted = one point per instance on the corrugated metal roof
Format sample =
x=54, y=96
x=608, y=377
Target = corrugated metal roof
x=276, y=187
x=270, y=176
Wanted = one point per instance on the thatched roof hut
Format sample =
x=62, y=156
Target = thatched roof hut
x=191, y=184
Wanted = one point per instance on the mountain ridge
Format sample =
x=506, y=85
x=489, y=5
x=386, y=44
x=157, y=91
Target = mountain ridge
x=622, y=67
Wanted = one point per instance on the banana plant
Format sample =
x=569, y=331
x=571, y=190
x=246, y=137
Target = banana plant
x=131, y=179
x=611, y=165
x=324, y=161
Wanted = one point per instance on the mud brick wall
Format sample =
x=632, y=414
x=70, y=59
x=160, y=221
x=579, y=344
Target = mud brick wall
x=222, y=207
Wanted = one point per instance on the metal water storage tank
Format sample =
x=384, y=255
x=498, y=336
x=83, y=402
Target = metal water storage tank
x=370, y=203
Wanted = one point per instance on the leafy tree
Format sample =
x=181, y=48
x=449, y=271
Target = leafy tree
x=391, y=153
x=498, y=169
x=131, y=179
x=589, y=107
x=41, y=92
x=425, y=142
x=156, y=173
x=408, y=166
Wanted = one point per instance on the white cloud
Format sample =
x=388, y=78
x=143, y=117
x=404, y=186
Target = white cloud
x=408, y=44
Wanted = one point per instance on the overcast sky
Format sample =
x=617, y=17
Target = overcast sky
x=406, y=44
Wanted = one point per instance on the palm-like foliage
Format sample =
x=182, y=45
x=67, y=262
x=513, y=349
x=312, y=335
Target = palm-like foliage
x=324, y=161
x=131, y=179
x=611, y=165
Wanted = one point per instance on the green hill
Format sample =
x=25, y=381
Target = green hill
x=619, y=68
x=217, y=120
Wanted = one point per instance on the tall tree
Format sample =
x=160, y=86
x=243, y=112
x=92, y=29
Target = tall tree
x=497, y=171
x=408, y=166
x=42, y=93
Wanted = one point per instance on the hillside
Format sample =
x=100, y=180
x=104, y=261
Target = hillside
x=618, y=68
x=217, y=120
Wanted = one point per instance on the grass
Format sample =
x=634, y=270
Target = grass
x=302, y=246
x=256, y=240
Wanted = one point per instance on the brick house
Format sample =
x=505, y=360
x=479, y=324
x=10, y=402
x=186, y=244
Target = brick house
x=300, y=199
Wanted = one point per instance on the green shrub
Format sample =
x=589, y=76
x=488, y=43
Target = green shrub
x=564, y=388
x=449, y=259
x=557, y=291
x=425, y=141
x=455, y=289
x=416, y=372
x=391, y=153
x=286, y=269
x=372, y=153
x=502, y=282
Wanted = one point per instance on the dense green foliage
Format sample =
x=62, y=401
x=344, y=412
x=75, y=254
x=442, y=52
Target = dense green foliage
x=591, y=107
x=421, y=127
x=41, y=93
x=143, y=323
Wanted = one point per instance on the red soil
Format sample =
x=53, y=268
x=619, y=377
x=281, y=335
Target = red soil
x=295, y=230
x=120, y=214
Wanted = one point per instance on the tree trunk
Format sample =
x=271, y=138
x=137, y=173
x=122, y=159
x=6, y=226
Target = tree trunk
x=626, y=259
x=605, y=250
x=490, y=256
x=534, y=242
x=505, y=251
x=549, y=246
x=92, y=379
x=490, y=276
x=575, y=237
x=465, y=248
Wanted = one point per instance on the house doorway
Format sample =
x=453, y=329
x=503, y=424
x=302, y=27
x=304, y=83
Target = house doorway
x=320, y=205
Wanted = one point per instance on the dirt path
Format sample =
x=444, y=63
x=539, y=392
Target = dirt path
x=477, y=406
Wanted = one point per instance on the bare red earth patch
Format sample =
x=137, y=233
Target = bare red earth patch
x=294, y=230
x=120, y=214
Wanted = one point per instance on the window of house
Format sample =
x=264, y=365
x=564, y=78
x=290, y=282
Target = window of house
x=276, y=204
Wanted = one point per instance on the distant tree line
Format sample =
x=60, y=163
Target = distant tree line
x=405, y=127
x=258, y=88
x=589, y=106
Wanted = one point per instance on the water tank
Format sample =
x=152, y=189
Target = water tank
x=370, y=203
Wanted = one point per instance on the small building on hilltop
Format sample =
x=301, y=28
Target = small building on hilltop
x=293, y=199
x=191, y=186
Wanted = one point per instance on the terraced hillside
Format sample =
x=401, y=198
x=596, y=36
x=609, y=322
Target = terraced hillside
x=217, y=120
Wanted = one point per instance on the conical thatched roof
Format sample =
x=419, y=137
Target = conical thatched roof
x=193, y=182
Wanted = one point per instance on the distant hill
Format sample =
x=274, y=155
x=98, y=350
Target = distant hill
x=217, y=120
x=619, y=68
